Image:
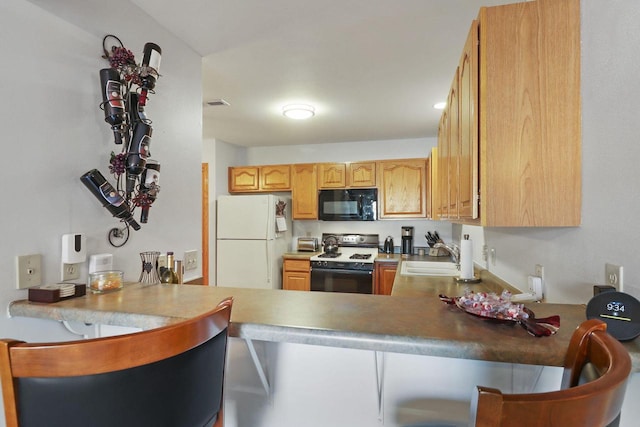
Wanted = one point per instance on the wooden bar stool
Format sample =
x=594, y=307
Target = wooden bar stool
x=594, y=382
x=171, y=376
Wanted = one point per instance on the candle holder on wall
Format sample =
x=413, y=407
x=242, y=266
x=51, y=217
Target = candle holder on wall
x=125, y=88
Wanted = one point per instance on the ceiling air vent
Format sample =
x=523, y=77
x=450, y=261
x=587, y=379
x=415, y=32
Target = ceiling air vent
x=216, y=102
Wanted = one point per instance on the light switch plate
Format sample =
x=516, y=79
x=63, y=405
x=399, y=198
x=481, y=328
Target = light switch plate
x=190, y=260
x=28, y=271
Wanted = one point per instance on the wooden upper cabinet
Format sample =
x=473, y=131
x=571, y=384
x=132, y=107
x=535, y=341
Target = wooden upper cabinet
x=304, y=191
x=468, y=185
x=251, y=179
x=530, y=114
x=434, y=186
x=346, y=175
x=332, y=175
x=361, y=174
x=518, y=146
x=244, y=179
x=427, y=187
x=442, y=208
x=275, y=178
x=402, y=188
x=454, y=147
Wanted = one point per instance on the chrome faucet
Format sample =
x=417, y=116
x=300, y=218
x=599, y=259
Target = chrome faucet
x=453, y=249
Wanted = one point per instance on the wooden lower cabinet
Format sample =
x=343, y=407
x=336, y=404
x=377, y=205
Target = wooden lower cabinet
x=385, y=274
x=296, y=274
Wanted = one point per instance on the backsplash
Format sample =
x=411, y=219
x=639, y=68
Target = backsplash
x=383, y=228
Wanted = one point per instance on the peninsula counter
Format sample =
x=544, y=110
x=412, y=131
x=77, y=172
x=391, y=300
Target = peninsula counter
x=413, y=324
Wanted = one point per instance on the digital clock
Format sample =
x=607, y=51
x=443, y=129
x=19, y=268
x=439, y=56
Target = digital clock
x=620, y=311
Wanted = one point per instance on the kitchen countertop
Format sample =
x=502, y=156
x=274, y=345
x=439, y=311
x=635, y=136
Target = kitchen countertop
x=300, y=255
x=414, y=286
x=400, y=323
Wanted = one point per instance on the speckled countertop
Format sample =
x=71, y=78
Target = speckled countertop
x=414, y=324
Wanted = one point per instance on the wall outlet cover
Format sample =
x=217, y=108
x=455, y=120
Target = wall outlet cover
x=70, y=272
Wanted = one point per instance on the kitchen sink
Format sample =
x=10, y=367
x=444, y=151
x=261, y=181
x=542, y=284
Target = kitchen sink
x=429, y=268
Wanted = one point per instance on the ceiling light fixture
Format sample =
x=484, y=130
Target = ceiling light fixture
x=298, y=111
x=439, y=105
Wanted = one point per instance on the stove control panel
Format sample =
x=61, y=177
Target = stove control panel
x=339, y=265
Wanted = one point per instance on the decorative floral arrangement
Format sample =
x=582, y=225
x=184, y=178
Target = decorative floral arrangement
x=123, y=60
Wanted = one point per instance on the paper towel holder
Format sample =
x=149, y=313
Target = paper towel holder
x=469, y=280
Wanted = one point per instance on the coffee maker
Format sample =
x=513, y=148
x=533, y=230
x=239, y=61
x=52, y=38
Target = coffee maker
x=407, y=240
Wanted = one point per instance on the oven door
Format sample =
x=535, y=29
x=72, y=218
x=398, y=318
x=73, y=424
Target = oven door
x=341, y=280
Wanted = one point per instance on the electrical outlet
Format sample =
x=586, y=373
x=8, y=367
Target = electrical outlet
x=613, y=276
x=28, y=271
x=539, y=271
x=190, y=260
x=70, y=271
x=492, y=251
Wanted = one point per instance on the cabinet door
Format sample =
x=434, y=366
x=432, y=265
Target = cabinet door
x=244, y=179
x=468, y=137
x=304, y=191
x=427, y=187
x=443, y=166
x=361, y=174
x=530, y=116
x=275, y=178
x=296, y=281
x=385, y=275
x=433, y=188
x=454, y=147
x=296, y=275
x=402, y=192
x=332, y=175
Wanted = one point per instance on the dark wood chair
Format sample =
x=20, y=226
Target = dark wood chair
x=171, y=376
x=594, y=381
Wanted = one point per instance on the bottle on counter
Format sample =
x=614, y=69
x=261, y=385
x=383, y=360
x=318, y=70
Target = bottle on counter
x=178, y=269
x=167, y=274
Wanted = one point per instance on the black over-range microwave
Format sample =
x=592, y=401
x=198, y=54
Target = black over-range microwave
x=356, y=204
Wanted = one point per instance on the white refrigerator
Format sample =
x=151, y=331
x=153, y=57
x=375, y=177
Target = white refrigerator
x=251, y=240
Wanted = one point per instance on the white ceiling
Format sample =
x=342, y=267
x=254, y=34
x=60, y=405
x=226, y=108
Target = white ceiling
x=372, y=68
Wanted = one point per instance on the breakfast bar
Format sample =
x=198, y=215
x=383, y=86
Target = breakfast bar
x=412, y=324
x=356, y=358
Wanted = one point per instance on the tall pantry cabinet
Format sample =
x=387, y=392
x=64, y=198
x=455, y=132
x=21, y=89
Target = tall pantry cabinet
x=513, y=159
